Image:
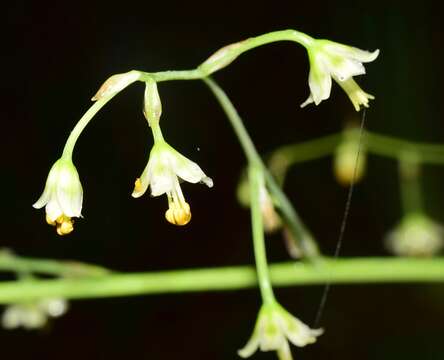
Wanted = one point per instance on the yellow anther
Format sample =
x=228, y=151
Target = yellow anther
x=64, y=225
x=65, y=228
x=137, y=185
x=178, y=214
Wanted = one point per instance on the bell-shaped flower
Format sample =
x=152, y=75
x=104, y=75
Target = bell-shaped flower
x=329, y=60
x=33, y=315
x=164, y=169
x=274, y=327
x=62, y=197
x=416, y=235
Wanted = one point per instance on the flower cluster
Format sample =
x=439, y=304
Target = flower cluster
x=63, y=194
x=330, y=60
x=274, y=327
x=33, y=315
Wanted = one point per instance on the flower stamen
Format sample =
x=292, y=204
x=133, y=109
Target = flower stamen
x=65, y=225
x=178, y=212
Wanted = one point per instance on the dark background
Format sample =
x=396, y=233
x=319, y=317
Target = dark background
x=58, y=53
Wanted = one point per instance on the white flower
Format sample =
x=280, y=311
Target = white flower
x=416, y=235
x=164, y=167
x=341, y=62
x=33, y=315
x=63, y=196
x=274, y=327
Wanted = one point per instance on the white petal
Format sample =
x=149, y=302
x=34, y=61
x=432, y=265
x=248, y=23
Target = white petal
x=50, y=185
x=162, y=181
x=53, y=209
x=299, y=333
x=308, y=101
x=43, y=199
x=250, y=347
x=319, y=78
x=12, y=317
x=346, y=68
x=350, y=52
x=144, y=182
x=186, y=169
x=70, y=201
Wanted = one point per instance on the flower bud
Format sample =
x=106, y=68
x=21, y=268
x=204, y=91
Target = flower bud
x=152, y=108
x=416, y=235
x=221, y=58
x=346, y=164
x=115, y=84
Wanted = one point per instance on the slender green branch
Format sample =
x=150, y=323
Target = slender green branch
x=409, y=179
x=340, y=271
x=255, y=177
x=394, y=148
x=18, y=264
x=300, y=232
x=81, y=124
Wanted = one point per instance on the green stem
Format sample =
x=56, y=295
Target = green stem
x=394, y=148
x=194, y=74
x=255, y=176
x=85, y=119
x=343, y=271
x=409, y=179
x=298, y=229
x=10, y=262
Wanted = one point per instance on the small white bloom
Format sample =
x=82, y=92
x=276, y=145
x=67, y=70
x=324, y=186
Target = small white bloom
x=33, y=315
x=62, y=197
x=165, y=167
x=274, y=327
x=416, y=235
x=341, y=62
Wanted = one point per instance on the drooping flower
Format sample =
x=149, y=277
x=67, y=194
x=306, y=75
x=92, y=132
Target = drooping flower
x=33, y=315
x=165, y=167
x=274, y=327
x=329, y=60
x=62, y=197
x=416, y=235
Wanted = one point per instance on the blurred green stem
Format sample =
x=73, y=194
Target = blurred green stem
x=409, y=179
x=18, y=264
x=298, y=229
x=336, y=271
x=256, y=180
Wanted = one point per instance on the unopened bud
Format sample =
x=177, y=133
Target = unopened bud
x=115, y=84
x=416, y=235
x=152, y=107
x=221, y=58
x=347, y=166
